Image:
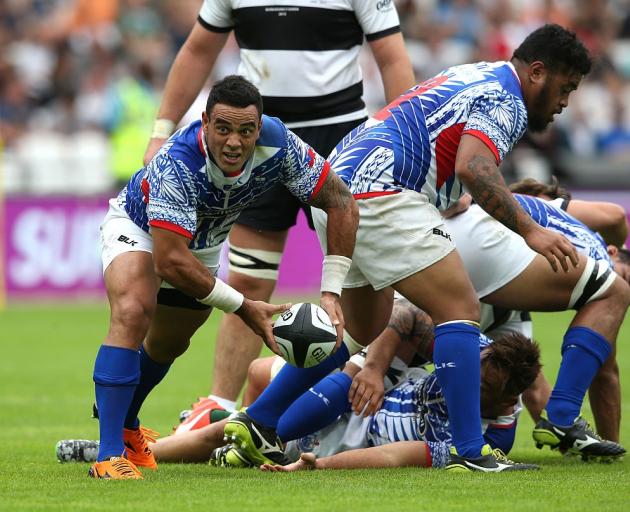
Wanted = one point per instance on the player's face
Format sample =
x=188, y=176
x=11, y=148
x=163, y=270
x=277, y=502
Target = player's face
x=550, y=95
x=231, y=134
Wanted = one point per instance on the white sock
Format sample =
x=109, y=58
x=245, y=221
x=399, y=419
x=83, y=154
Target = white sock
x=228, y=405
x=353, y=346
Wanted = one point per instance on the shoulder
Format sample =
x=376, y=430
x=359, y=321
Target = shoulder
x=186, y=146
x=273, y=133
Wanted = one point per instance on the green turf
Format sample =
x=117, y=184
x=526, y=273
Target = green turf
x=46, y=394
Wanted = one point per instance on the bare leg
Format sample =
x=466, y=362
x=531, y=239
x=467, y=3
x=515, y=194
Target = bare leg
x=191, y=446
x=258, y=378
x=605, y=398
x=237, y=345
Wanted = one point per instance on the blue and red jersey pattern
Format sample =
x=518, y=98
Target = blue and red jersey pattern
x=184, y=191
x=412, y=143
x=548, y=215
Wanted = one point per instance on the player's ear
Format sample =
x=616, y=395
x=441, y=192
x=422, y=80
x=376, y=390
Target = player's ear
x=205, y=121
x=612, y=251
x=537, y=72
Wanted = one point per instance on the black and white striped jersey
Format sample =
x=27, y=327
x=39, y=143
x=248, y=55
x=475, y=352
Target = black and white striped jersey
x=303, y=55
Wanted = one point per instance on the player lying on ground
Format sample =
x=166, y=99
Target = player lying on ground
x=414, y=408
x=506, y=273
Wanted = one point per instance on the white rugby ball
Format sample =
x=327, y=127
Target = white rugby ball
x=305, y=335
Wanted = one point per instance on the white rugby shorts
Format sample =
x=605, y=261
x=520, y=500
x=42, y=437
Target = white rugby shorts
x=493, y=255
x=399, y=235
x=119, y=235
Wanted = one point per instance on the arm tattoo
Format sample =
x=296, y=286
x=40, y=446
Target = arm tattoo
x=401, y=321
x=333, y=194
x=489, y=190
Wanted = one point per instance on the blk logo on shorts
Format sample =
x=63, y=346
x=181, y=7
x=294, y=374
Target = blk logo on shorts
x=125, y=239
x=437, y=231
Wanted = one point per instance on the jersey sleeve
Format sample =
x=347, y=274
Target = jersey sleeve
x=304, y=171
x=171, y=200
x=497, y=119
x=216, y=15
x=378, y=18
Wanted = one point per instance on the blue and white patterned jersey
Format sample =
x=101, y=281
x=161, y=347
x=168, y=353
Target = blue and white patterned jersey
x=412, y=143
x=184, y=191
x=549, y=215
x=415, y=410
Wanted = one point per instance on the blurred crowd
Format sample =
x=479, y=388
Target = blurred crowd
x=80, y=83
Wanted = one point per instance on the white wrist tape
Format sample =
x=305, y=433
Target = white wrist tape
x=334, y=273
x=223, y=297
x=162, y=129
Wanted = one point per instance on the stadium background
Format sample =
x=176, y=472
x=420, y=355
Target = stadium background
x=80, y=82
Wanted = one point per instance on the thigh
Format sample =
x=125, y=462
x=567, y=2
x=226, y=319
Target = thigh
x=492, y=254
x=170, y=331
x=443, y=290
x=398, y=236
x=366, y=312
x=538, y=287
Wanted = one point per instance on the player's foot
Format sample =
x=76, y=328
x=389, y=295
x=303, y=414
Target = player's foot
x=77, y=450
x=115, y=468
x=137, y=447
x=578, y=439
x=307, y=461
x=491, y=461
x=203, y=413
x=229, y=456
x=261, y=445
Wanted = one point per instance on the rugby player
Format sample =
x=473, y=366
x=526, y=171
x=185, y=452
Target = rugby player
x=404, y=165
x=161, y=241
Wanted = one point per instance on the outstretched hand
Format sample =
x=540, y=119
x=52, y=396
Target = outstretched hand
x=307, y=461
x=553, y=246
x=258, y=315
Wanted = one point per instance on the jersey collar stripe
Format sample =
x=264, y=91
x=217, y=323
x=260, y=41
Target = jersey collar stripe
x=200, y=142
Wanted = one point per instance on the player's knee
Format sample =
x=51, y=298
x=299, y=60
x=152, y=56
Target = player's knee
x=258, y=373
x=253, y=271
x=131, y=313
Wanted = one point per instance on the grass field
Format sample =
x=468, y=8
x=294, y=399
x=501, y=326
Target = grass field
x=46, y=394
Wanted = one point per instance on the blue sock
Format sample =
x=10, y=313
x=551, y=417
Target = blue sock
x=583, y=353
x=456, y=358
x=116, y=374
x=289, y=384
x=317, y=408
x=151, y=374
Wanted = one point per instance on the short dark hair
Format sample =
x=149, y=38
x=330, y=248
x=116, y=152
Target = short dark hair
x=236, y=91
x=558, y=48
x=517, y=359
x=532, y=187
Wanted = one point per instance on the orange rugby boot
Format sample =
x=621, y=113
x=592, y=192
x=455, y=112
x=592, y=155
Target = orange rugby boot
x=115, y=468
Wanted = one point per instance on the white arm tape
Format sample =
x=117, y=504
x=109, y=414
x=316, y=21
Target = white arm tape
x=334, y=273
x=223, y=297
x=162, y=129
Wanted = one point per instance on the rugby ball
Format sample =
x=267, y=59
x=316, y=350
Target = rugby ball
x=305, y=335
